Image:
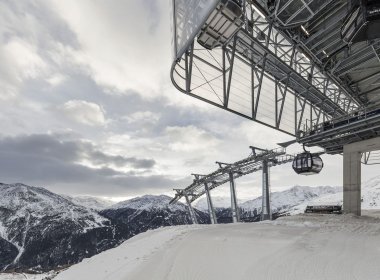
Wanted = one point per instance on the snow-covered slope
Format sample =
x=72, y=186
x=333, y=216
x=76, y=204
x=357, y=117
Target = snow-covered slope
x=293, y=200
x=150, y=202
x=370, y=197
x=297, y=248
x=371, y=193
x=91, y=202
x=218, y=202
x=285, y=200
x=41, y=226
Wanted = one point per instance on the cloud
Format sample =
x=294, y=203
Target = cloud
x=190, y=139
x=122, y=52
x=84, y=112
x=52, y=148
x=47, y=160
x=107, y=81
x=143, y=116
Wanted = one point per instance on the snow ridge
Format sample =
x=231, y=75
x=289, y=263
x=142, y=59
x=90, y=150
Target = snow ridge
x=285, y=200
x=90, y=202
x=150, y=202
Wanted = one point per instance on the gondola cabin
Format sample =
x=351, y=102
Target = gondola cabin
x=307, y=164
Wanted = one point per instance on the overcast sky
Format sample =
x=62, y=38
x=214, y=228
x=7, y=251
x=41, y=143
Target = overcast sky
x=87, y=106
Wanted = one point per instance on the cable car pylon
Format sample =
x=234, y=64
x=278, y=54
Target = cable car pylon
x=259, y=159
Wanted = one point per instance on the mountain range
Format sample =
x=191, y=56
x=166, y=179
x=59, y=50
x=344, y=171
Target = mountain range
x=41, y=230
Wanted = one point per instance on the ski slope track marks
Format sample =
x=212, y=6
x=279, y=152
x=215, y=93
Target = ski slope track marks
x=295, y=247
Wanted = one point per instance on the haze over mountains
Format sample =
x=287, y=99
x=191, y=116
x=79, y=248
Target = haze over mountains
x=41, y=230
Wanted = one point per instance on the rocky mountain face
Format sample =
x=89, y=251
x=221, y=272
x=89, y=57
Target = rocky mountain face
x=149, y=212
x=41, y=230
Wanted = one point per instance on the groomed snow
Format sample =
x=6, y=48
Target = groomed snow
x=304, y=247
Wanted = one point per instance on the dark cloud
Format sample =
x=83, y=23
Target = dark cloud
x=102, y=158
x=50, y=147
x=46, y=160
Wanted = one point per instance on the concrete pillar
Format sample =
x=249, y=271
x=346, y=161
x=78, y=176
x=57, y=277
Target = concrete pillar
x=191, y=210
x=266, y=213
x=352, y=173
x=211, y=210
x=352, y=182
x=234, y=204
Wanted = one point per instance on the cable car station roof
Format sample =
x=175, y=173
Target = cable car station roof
x=317, y=29
x=281, y=63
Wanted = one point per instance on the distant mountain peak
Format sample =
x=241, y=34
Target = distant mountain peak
x=147, y=202
x=91, y=202
x=29, y=215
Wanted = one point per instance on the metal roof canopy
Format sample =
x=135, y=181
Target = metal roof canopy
x=287, y=67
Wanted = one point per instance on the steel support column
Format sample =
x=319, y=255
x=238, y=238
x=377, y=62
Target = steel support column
x=191, y=210
x=211, y=210
x=352, y=182
x=234, y=204
x=266, y=211
x=352, y=173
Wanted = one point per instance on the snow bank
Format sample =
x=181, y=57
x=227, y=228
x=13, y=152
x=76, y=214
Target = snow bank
x=296, y=247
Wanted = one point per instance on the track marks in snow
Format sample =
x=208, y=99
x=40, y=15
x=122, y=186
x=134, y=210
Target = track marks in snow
x=302, y=247
x=291, y=248
x=120, y=262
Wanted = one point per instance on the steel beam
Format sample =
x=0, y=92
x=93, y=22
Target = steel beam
x=211, y=210
x=234, y=204
x=243, y=167
x=266, y=213
x=191, y=210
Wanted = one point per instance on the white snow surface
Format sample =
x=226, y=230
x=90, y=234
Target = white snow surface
x=91, y=202
x=149, y=202
x=339, y=247
x=217, y=201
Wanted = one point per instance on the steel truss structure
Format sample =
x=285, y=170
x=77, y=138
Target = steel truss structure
x=336, y=133
x=286, y=67
x=258, y=160
x=252, y=163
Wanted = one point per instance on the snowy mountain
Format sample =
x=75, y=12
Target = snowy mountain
x=283, y=201
x=294, y=201
x=370, y=197
x=140, y=214
x=218, y=202
x=40, y=229
x=150, y=202
x=91, y=202
x=371, y=193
